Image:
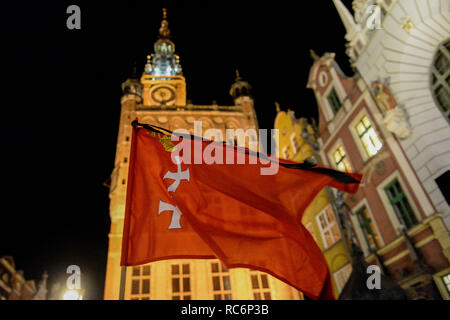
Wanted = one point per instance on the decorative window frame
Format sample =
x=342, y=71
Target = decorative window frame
x=387, y=204
x=260, y=290
x=355, y=135
x=222, y=292
x=327, y=110
x=339, y=143
x=332, y=119
x=340, y=271
x=330, y=88
x=434, y=72
x=180, y=276
x=323, y=78
x=329, y=227
x=140, y=295
x=359, y=231
x=437, y=277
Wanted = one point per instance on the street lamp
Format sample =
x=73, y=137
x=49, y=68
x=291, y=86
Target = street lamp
x=72, y=294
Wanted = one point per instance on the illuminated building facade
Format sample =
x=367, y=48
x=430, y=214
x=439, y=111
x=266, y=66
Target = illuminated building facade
x=395, y=221
x=319, y=218
x=159, y=98
x=404, y=56
x=14, y=286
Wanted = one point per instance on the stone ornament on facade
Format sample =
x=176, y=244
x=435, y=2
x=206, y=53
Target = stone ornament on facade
x=396, y=121
x=16, y=283
x=360, y=9
x=218, y=120
x=132, y=87
x=407, y=25
x=380, y=168
x=323, y=79
x=376, y=165
x=14, y=286
x=395, y=118
x=163, y=119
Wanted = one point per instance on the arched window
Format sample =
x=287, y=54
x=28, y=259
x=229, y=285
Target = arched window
x=440, y=78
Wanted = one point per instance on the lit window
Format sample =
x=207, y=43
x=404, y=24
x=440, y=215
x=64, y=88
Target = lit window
x=440, y=78
x=260, y=286
x=446, y=280
x=340, y=160
x=136, y=271
x=220, y=281
x=368, y=229
x=181, y=281
x=146, y=270
x=400, y=204
x=334, y=101
x=140, y=283
x=341, y=276
x=368, y=137
x=135, y=287
x=328, y=226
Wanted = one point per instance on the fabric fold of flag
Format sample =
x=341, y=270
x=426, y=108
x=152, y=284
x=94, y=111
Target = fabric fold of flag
x=179, y=209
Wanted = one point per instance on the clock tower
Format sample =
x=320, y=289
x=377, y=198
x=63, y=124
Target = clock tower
x=164, y=84
x=159, y=98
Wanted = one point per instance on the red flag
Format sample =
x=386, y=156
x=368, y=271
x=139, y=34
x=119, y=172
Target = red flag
x=178, y=210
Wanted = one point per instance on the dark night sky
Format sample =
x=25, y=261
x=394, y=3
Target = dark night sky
x=61, y=102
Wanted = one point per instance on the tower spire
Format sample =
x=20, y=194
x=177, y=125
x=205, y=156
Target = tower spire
x=134, y=71
x=277, y=107
x=238, y=77
x=164, y=61
x=164, y=32
x=347, y=19
x=314, y=55
x=240, y=87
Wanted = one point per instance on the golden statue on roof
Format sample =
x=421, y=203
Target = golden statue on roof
x=164, y=32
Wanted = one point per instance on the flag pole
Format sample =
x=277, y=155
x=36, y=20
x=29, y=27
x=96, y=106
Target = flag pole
x=123, y=274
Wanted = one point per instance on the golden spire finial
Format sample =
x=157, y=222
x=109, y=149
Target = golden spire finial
x=237, y=73
x=277, y=106
x=164, y=32
x=314, y=55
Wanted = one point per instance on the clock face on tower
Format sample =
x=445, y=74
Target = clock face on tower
x=163, y=94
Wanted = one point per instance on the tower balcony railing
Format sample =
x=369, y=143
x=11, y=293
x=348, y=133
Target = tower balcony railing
x=150, y=77
x=189, y=107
